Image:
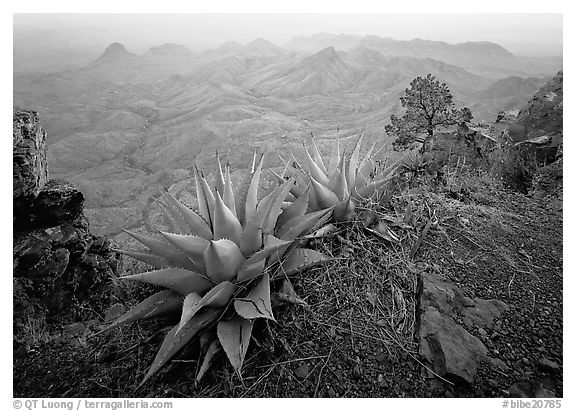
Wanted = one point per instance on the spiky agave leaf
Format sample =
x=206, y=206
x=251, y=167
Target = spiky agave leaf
x=315, y=171
x=160, y=303
x=187, y=219
x=180, y=280
x=234, y=336
x=147, y=258
x=173, y=342
x=191, y=246
x=324, y=197
x=226, y=225
x=164, y=250
x=302, y=224
x=296, y=209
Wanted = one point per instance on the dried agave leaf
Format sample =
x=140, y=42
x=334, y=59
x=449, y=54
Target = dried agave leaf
x=209, y=357
x=300, y=259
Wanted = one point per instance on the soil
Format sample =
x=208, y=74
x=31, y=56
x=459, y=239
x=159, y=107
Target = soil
x=355, y=338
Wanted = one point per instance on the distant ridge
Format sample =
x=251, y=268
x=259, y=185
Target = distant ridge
x=169, y=50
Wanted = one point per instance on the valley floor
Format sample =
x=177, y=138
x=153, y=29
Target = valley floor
x=356, y=336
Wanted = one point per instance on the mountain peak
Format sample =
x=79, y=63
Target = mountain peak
x=114, y=52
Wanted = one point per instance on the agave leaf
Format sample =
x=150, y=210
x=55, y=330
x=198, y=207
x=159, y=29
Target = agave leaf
x=209, y=356
x=288, y=294
x=334, y=158
x=341, y=186
x=191, y=246
x=203, y=208
x=159, y=303
x=251, y=240
x=210, y=200
x=188, y=218
x=228, y=195
x=257, y=303
x=219, y=179
x=296, y=190
x=315, y=171
x=300, y=259
x=174, y=342
x=299, y=225
x=370, y=189
x=177, y=279
x=296, y=209
x=223, y=258
x=241, y=193
x=150, y=259
x=252, y=195
x=161, y=249
x=323, y=196
x=250, y=271
x=217, y=297
x=317, y=156
x=272, y=245
x=226, y=225
x=354, y=162
x=365, y=168
x=271, y=216
x=175, y=227
x=344, y=211
x=234, y=336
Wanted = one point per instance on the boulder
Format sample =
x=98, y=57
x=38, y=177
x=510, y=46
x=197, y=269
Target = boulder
x=57, y=203
x=446, y=346
x=29, y=165
x=63, y=264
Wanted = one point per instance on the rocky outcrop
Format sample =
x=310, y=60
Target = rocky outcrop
x=445, y=314
x=543, y=113
x=30, y=169
x=57, y=262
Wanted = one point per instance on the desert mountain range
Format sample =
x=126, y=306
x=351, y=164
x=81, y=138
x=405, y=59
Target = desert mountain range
x=126, y=125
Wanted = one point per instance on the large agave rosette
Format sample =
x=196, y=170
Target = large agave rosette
x=214, y=263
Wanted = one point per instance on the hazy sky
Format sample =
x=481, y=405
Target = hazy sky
x=517, y=32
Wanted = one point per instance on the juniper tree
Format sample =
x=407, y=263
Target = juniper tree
x=428, y=104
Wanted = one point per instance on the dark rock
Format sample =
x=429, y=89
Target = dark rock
x=547, y=365
x=57, y=203
x=530, y=389
x=452, y=352
x=30, y=172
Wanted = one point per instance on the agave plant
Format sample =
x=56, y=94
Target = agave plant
x=338, y=183
x=214, y=263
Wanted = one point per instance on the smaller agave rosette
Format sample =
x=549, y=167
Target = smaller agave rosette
x=340, y=183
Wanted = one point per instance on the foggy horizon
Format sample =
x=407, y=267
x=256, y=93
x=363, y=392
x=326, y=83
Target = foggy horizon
x=139, y=32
